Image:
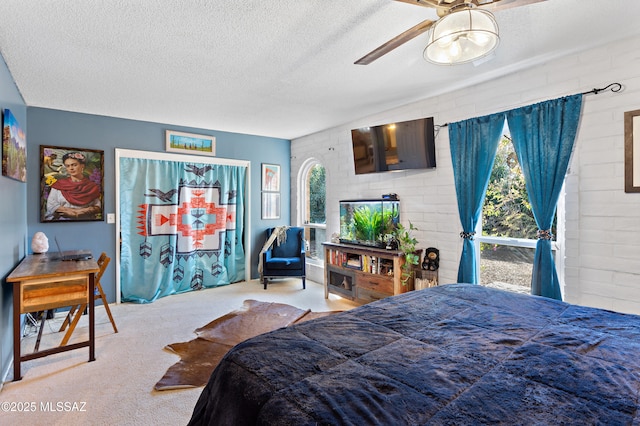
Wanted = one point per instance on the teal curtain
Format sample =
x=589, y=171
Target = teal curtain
x=474, y=143
x=543, y=136
x=181, y=227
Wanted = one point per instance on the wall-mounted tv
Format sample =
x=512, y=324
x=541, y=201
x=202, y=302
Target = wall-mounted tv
x=394, y=146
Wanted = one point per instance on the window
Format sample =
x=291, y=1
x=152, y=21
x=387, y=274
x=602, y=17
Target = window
x=507, y=232
x=313, y=208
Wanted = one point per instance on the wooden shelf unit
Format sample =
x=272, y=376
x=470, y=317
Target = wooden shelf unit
x=363, y=274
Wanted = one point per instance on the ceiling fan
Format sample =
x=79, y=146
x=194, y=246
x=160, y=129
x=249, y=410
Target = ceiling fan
x=446, y=9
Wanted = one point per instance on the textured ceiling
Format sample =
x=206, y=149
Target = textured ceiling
x=280, y=68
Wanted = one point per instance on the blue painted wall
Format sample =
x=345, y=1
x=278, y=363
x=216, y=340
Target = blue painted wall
x=19, y=209
x=13, y=220
x=68, y=129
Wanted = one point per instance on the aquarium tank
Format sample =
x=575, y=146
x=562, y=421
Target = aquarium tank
x=366, y=222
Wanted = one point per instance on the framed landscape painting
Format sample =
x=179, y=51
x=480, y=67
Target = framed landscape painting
x=190, y=143
x=71, y=184
x=14, y=149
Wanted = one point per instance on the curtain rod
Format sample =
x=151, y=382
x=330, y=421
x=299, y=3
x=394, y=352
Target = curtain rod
x=614, y=87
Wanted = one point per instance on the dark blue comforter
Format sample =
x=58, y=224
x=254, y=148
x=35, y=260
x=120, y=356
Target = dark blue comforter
x=453, y=355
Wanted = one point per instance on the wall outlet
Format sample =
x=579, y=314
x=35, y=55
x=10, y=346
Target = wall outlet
x=111, y=218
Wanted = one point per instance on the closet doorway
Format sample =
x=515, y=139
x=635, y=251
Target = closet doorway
x=182, y=223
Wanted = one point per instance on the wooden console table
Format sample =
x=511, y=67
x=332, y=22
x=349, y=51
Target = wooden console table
x=363, y=274
x=42, y=282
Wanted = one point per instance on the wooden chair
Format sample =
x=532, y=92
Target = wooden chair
x=76, y=311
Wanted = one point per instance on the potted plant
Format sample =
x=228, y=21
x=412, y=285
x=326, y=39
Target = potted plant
x=407, y=245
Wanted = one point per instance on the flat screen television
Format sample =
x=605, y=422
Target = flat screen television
x=395, y=146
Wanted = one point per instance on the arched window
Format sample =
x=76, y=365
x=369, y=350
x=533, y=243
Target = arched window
x=312, y=207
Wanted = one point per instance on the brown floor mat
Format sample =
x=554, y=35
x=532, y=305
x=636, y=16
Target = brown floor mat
x=200, y=356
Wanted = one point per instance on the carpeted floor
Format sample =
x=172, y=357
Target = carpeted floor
x=117, y=388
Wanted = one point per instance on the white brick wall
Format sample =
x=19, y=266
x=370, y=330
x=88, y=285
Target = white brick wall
x=602, y=236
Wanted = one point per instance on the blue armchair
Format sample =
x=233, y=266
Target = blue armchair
x=286, y=259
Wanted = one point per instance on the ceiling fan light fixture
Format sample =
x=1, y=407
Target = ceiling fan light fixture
x=462, y=36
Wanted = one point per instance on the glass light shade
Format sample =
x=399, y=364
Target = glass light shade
x=461, y=37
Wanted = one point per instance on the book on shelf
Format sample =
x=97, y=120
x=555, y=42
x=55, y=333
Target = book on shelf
x=363, y=262
x=353, y=261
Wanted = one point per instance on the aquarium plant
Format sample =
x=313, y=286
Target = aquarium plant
x=371, y=224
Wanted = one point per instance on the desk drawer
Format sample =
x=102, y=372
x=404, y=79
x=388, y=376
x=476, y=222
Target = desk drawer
x=40, y=295
x=378, y=283
x=367, y=296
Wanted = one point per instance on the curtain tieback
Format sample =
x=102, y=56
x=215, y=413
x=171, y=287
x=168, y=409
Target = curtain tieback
x=545, y=234
x=467, y=235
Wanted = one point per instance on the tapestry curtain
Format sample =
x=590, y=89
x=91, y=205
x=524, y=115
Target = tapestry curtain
x=474, y=143
x=543, y=136
x=181, y=227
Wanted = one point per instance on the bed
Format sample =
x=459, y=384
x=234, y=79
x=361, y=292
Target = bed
x=455, y=354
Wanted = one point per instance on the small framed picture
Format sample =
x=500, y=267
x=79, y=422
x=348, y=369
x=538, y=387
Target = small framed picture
x=270, y=177
x=14, y=149
x=270, y=205
x=190, y=143
x=71, y=184
x=632, y=151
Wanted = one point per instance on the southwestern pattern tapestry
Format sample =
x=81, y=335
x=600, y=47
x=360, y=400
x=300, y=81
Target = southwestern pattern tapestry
x=182, y=226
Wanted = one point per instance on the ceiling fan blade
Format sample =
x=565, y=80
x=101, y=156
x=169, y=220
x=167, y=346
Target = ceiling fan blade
x=395, y=42
x=425, y=3
x=492, y=5
x=506, y=4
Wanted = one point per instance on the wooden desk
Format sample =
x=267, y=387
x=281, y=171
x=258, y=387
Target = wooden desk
x=42, y=282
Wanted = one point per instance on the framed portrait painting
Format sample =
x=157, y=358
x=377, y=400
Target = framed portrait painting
x=71, y=184
x=632, y=151
x=190, y=143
